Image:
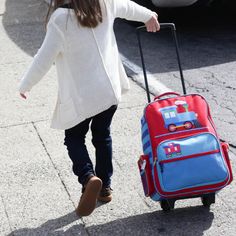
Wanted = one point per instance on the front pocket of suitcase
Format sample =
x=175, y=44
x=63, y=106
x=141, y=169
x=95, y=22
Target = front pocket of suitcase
x=146, y=175
x=190, y=162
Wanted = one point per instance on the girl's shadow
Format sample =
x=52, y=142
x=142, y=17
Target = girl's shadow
x=23, y=21
x=54, y=227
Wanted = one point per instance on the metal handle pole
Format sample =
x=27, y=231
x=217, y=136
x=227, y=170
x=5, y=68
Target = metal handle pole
x=173, y=30
x=143, y=66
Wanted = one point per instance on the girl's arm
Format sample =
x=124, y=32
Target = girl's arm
x=43, y=60
x=132, y=11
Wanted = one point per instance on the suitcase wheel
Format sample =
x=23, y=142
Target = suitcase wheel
x=208, y=199
x=167, y=205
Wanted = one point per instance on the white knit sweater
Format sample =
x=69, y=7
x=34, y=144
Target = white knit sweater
x=91, y=77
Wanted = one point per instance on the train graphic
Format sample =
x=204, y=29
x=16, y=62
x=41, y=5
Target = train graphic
x=178, y=116
x=172, y=150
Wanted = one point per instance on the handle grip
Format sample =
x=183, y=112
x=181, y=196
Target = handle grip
x=166, y=94
x=162, y=26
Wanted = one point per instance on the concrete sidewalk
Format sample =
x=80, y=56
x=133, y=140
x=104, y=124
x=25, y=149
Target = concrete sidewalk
x=38, y=191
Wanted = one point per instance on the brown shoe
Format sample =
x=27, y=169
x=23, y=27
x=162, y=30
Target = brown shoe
x=105, y=195
x=88, y=199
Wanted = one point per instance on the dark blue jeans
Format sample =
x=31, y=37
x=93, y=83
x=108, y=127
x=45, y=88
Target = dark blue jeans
x=101, y=139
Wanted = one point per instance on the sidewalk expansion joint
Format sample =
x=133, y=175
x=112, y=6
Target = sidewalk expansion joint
x=6, y=213
x=23, y=123
x=53, y=164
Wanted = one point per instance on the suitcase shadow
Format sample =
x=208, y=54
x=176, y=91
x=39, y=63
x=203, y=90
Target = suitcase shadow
x=184, y=221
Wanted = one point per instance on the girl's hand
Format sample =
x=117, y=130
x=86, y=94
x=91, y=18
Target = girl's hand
x=23, y=95
x=153, y=25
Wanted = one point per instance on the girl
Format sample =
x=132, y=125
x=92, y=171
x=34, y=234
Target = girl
x=91, y=79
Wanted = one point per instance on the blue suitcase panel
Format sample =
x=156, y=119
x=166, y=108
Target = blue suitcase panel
x=190, y=162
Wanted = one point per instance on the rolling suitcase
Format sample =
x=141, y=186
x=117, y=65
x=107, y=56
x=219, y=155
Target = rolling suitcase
x=183, y=156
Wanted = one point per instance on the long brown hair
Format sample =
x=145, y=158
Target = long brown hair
x=88, y=12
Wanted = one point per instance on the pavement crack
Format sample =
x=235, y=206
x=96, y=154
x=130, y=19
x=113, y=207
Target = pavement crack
x=216, y=79
x=231, y=110
x=23, y=123
x=58, y=173
x=233, y=151
x=6, y=213
x=53, y=164
x=230, y=144
x=230, y=87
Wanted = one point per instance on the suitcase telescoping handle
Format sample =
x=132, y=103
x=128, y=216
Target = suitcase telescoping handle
x=173, y=30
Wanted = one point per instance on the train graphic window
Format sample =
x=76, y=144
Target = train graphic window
x=167, y=115
x=172, y=114
x=172, y=150
x=178, y=116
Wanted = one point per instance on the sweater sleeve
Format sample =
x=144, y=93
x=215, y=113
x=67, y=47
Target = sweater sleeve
x=43, y=60
x=130, y=10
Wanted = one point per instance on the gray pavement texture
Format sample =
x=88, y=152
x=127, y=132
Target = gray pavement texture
x=38, y=192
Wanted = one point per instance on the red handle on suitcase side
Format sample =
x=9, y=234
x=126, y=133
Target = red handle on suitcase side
x=166, y=94
x=225, y=148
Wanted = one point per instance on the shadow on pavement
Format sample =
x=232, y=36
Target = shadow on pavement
x=24, y=23
x=185, y=221
x=52, y=227
x=201, y=44
x=206, y=38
